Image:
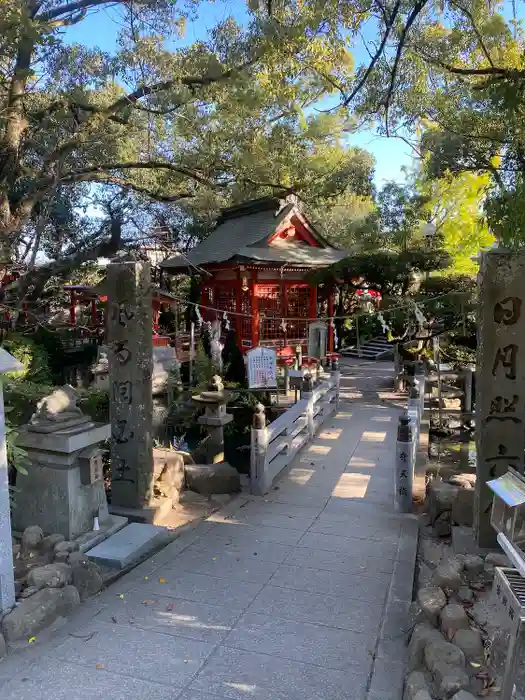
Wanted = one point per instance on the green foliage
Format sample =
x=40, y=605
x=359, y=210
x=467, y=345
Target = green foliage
x=95, y=404
x=33, y=355
x=455, y=206
x=390, y=272
x=505, y=211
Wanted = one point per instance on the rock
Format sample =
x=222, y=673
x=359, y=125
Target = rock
x=38, y=612
x=463, y=481
x=415, y=683
x=463, y=507
x=463, y=695
x=430, y=551
x=27, y=592
x=3, y=646
x=50, y=576
x=449, y=680
x=421, y=635
x=87, y=579
x=474, y=566
x=61, y=557
x=31, y=538
x=470, y=642
x=431, y=600
x=440, y=499
x=49, y=543
x=208, y=479
x=76, y=558
x=66, y=546
x=168, y=466
x=497, y=559
x=453, y=618
x=442, y=526
x=465, y=594
x=438, y=651
x=448, y=574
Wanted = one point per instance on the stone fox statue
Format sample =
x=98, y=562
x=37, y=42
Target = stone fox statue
x=58, y=407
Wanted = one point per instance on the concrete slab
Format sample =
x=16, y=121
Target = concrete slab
x=234, y=674
x=138, y=653
x=90, y=539
x=302, y=641
x=318, y=608
x=128, y=545
x=58, y=680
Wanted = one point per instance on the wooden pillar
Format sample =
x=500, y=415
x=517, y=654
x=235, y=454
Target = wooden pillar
x=255, y=309
x=93, y=312
x=331, y=339
x=285, y=309
x=238, y=308
x=313, y=302
x=72, y=309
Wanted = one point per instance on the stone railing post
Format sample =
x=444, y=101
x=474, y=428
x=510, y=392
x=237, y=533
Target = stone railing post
x=403, y=476
x=258, y=452
x=7, y=582
x=336, y=375
x=307, y=393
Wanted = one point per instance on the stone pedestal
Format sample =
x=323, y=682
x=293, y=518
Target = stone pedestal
x=500, y=378
x=130, y=370
x=64, y=488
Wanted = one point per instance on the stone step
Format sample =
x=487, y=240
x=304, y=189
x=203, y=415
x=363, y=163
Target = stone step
x=129, y=545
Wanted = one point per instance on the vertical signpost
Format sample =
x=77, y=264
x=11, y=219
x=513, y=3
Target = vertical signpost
x=7, y=582
x=500, y=404
x=130, y=368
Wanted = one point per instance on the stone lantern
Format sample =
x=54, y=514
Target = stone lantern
x=214, y=401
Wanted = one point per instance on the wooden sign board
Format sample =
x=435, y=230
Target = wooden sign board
x=262, y=368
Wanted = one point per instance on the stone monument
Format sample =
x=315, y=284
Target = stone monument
x=64, y=489
x=7, y=582
x=129, y=344
x=500, y=378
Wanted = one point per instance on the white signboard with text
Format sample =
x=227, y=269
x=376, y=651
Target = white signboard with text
x=262, y=368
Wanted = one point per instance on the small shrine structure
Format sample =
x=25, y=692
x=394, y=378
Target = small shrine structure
x=254, y=266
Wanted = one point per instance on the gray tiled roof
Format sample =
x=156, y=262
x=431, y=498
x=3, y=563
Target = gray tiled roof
x=229, y=237
x=245, y=236
x=293, y=255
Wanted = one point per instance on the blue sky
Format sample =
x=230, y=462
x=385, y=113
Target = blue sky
x=101, y=26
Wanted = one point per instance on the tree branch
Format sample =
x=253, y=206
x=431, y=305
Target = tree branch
x=416, y=10
x=479, y=37
x=377, y=55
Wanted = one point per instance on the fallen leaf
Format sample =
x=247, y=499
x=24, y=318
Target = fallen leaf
x=31, y=640
x=162, y=580
x=170, y=607
x=121, y=595
x=114, y=619
x=475, y=665
x=146, y=578
x=99, y=666
x=495, y=689
x=147, y=602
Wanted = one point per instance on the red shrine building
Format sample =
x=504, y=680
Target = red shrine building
x=254, y=265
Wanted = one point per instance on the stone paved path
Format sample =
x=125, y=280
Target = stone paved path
x=301, y=595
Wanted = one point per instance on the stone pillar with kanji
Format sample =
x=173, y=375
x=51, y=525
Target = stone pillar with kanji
x=500, y=378
x=129, y=331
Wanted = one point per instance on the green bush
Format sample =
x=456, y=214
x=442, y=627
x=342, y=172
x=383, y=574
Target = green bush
x=32, y=355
